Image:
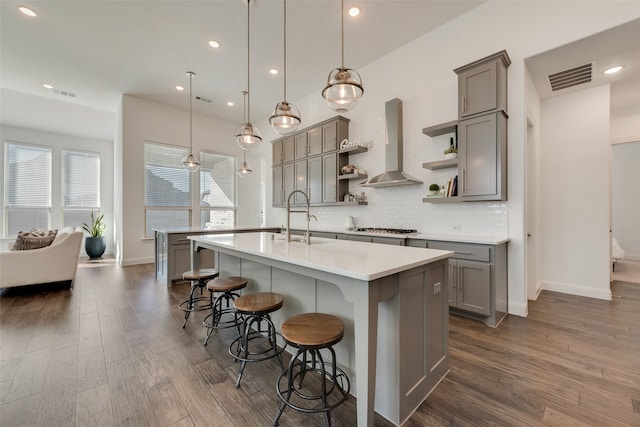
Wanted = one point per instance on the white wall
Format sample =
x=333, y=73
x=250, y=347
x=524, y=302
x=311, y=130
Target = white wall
x=626, y=197
x=59, y=142
x=574, y=184
x=143, y=120
x=420, y=73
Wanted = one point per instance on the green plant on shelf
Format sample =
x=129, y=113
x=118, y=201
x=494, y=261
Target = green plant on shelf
x=434, y=187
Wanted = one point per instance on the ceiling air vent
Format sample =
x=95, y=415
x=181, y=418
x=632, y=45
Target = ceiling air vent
x=64, y=93
x=203, y=99
x=572, y=77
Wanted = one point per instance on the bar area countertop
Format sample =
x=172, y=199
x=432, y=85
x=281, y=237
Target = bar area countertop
x=392, y=299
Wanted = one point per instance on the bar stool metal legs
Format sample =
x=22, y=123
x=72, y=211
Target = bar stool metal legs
x=256, y=309
x=223, y=314
x=198, y=280
x=311, y=333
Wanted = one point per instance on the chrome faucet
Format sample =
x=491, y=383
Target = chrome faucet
x=307, y=237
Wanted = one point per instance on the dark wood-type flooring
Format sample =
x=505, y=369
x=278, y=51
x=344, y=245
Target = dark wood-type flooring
x=112, y=352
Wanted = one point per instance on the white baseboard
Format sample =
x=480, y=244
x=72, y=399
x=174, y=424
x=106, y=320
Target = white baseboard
x=631, y=257
x=136, y=261
x=580, y=290
x=518, y=309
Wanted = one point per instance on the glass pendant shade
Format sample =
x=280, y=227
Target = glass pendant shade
x=244, y=170
x=344, y=89
x=285, y=118
x=248, y=136
x=191, y=162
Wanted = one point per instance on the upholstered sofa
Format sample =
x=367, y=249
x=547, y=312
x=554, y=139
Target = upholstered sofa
x=57, y=262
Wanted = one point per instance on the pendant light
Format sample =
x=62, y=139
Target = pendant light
x=344, y=85
x=191, y=162
x=285, y=117
x=248, y=136
x=245, y=169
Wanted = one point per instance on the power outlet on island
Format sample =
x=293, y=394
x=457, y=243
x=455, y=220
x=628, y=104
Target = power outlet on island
x=437, y=288
x=456, y=227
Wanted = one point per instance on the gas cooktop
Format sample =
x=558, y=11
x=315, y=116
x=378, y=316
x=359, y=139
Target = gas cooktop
x=386, y=230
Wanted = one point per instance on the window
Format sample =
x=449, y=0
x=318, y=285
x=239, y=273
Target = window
x=167, y=195
x=28, y=187
x=81, y=187
x=217, y=190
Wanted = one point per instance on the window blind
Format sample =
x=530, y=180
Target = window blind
x=81, y=178
x=28, y=172
x=166, y=182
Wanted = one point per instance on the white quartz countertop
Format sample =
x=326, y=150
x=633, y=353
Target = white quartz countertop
x=357, y=260
x=460, y=238
x=171, y=230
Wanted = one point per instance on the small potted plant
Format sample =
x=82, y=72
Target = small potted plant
x=452, y=151
x=95, y=244
x=434, y=189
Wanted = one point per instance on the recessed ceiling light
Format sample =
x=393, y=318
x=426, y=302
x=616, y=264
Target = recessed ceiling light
x=180, y=88
x=613, y=69
x=214, y=43
x=26, y=11
x=230, y=103
x=273, y=71
x=354, y=11
x=47, y=86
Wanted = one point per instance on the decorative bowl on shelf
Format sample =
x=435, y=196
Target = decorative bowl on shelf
x=448, y=156
x=347, y=169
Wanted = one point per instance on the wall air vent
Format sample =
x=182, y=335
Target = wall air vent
x=203, y=99
x=64, y=93
x=572, y=77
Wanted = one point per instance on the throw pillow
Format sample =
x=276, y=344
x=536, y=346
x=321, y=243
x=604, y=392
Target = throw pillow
x=34, y=239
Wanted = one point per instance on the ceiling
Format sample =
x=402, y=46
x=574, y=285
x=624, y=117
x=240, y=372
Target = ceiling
x=99, y=50
x=617, y=46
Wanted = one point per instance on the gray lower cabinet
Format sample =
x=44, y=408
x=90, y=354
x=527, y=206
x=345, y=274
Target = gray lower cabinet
x=477, y=279
x=375, y=239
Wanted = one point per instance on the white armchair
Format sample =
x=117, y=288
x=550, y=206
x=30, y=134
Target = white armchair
x=55, y=263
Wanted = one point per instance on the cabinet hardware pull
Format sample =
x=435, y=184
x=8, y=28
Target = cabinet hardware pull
x=464, y=103
x=464, y=253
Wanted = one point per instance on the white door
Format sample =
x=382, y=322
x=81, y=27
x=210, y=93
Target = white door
x=532, y=212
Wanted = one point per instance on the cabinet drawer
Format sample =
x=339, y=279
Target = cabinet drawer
x=181, y=238
x=464, y=250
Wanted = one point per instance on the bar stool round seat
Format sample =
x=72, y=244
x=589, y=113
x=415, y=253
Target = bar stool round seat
x=255, y=310
x=327, y=386
x=198, y=279
x=223, y=315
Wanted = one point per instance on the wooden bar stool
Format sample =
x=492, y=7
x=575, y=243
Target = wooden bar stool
x=310, y=333
x=255, y=309
x=198, y=280
x=223, y=304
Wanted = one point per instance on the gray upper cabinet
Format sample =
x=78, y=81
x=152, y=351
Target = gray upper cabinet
x=314, y=140
x=288, y=149
x=278, y=189
x=309, y=160
x=300, y=142
x=314, y=179
x=482, y=85
x=482, y=162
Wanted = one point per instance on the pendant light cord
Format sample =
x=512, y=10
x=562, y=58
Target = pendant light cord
x=285, y=51
x=248, y=65
x=342, y=28
x=190, y=114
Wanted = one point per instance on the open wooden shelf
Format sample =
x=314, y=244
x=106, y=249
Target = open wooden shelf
x=441, y=164
x=353, y=176
x=441, y=129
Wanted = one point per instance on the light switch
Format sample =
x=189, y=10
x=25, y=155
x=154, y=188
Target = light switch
x=437, y=288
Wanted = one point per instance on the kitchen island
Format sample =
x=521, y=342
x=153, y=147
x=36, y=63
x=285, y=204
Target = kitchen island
x=393, y=301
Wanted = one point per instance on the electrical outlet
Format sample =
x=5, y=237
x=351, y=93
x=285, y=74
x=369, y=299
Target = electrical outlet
x=456, y=227
x=437, y=288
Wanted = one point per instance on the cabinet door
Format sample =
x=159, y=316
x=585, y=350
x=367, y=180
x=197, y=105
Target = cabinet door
x=452, y=283
x=314, y=141
x=474, y=287
x=330, y=137
x=288, y=149
x=388, y=241
x=478, y=90
x=276, y=157
x=278, y=189
x=300, y=170
x=330, y=178
x=300, y=142
x=288, y=182
x=314, y=179
x=478, y=156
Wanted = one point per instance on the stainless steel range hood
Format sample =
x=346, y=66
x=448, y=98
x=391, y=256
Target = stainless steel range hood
x=393, y=174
